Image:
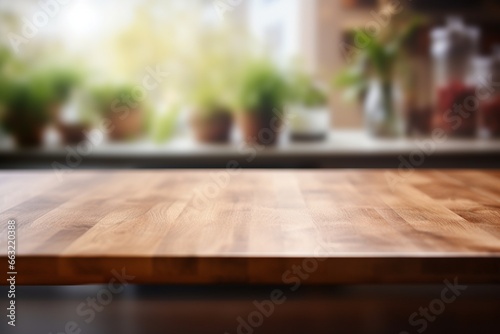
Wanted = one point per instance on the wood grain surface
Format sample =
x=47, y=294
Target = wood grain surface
x=253, y=226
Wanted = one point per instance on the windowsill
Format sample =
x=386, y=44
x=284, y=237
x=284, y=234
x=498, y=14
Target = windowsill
x=344, y=144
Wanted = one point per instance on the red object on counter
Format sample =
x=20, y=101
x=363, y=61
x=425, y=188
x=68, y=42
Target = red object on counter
x=453, y=116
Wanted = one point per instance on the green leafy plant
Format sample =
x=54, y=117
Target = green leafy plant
x=263, y=88
x=5, y=80
x=62, y=81
x=379, y=64
x=122, y=108
x=27, y=104
x=28, y=101
x=209, y=98
x=106, y=98
x=213, y=66
x=5, y=55
x=10, y=65
x=162, y=126
x=305, y=92
x=383, y=57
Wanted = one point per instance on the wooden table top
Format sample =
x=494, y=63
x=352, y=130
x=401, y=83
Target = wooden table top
x=253, y=226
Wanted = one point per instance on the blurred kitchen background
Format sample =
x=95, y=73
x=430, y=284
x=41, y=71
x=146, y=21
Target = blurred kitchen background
x=266, y=83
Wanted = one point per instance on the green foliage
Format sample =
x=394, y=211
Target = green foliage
x=213, y=68
x=28, y=99
x=383, y=57
x=27, y=103
x=5, y=58
x=62, y=81
x=57, y=81
x=209, y=97
x=104, y=98
x=353, y=80
x=305, y=92
x=263, y=88
x=162, y=126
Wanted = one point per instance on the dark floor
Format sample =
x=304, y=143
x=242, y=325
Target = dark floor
x=346, y=309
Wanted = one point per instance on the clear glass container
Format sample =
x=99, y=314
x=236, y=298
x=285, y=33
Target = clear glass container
x=488, y=82
x=453, y=50
x=382, y=103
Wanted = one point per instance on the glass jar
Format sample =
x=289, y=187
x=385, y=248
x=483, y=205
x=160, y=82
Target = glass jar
x=453, y=49
x=382, y=104
x=488, y=81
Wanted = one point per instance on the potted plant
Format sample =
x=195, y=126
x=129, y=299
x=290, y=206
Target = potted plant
x=260, y=102
x=117, y=105
x=212, y=125
x=62, y=81
x=24, y=101
x=65, y=104
x=74, y=118
x=375, y=73
x=211, y=118
x=310, y=118
x=213, y=64
x=27, y=111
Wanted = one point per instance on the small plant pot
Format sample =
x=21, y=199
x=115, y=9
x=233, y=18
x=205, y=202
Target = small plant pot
x=309, y=124
x=212, y=128
x=27, y=131
x=262, y=128
x=29, y=137
x=72, y=133
x=125, y=126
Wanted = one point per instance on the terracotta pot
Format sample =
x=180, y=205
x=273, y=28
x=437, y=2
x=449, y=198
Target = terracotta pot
x=213, y=128
x=26, y=131
x=261, y=128
x=126, y=125
x=72, y=133
x=29, y=137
